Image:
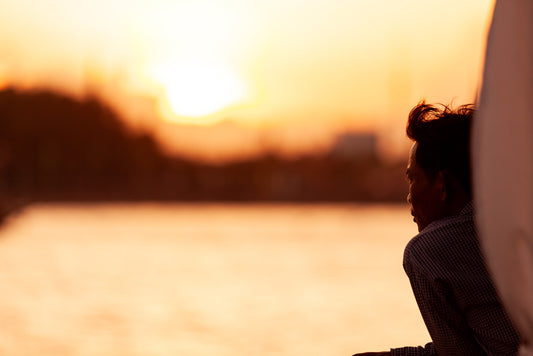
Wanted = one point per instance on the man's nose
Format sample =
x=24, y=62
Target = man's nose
x=409, y=198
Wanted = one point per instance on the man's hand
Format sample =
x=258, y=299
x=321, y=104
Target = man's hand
x=383, y=353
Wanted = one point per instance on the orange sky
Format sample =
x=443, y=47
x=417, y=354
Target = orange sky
x=289, y=74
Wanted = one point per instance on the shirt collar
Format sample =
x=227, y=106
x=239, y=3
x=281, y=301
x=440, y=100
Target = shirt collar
x=468, y=209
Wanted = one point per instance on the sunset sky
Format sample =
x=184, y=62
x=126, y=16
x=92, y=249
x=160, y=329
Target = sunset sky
x=228, y=78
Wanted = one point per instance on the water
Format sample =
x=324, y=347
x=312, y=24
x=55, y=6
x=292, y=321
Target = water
x=149, y=279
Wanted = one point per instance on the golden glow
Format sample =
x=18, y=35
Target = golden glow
x=268, y=64
x=3, y=76
x=194, y=91
x=190, y=56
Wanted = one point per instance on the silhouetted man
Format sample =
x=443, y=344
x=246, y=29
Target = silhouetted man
x=452, y=287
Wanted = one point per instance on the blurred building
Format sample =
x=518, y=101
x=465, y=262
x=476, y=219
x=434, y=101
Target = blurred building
x=356, y=145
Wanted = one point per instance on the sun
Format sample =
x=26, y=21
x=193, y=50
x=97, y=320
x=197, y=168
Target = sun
x=195, y=92
x=193, y=60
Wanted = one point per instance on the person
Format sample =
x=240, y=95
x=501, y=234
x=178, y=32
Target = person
x=451, y=284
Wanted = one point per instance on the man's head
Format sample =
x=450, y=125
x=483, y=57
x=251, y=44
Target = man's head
x=438, y=171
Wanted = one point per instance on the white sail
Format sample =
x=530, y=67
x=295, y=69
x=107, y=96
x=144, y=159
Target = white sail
x=503, y=161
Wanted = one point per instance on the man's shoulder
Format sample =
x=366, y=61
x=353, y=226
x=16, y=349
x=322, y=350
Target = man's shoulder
x=442, y=243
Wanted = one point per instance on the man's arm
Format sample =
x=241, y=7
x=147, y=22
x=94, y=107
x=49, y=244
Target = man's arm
x=445, y=322
x=428, y=350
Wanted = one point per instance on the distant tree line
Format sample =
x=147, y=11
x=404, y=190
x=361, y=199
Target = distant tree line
x=56, y=148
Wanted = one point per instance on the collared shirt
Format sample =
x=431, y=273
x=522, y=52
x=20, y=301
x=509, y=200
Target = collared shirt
x=454, y=292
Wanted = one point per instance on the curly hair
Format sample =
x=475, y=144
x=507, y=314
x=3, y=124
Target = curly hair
x=443, y=137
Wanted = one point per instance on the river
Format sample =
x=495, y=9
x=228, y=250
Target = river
x=206, y=279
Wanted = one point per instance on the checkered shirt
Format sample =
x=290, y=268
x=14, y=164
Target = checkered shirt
x=454, y=292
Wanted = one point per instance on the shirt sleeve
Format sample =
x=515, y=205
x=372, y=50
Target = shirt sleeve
x=444, y=320
x=428, y=350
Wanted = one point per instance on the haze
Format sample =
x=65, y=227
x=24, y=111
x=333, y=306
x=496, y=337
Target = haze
x=219, y=79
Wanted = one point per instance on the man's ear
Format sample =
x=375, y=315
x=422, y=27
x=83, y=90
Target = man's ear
x=441, y=186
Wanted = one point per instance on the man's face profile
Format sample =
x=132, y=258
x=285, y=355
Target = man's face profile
x=426, y=196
